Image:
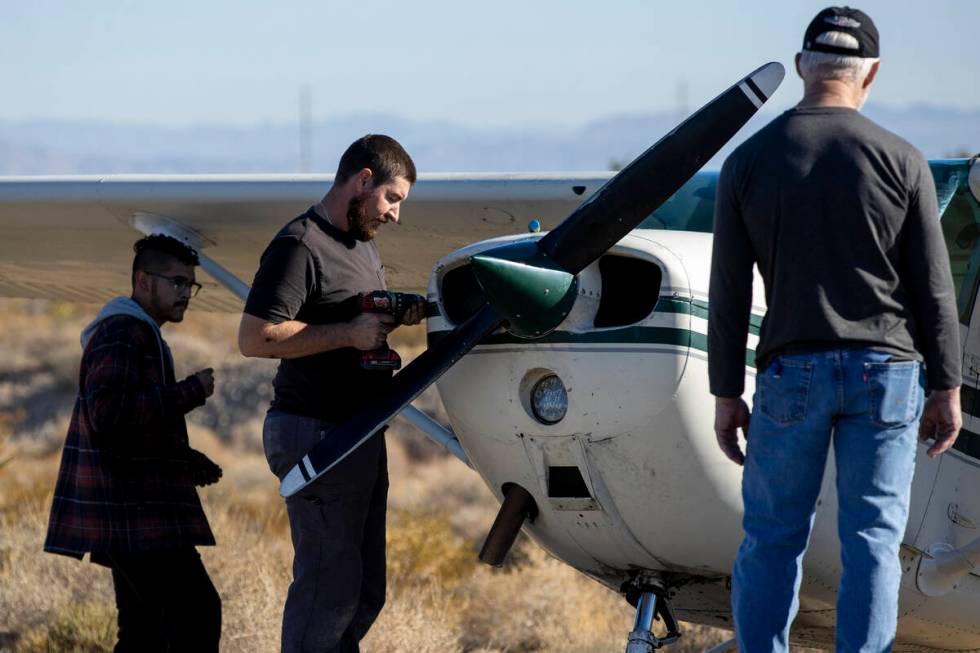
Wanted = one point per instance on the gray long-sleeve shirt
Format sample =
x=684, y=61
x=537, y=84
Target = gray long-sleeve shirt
x=841, y=217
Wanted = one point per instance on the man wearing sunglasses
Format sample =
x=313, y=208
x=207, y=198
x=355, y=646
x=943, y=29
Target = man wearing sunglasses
x=126, y=491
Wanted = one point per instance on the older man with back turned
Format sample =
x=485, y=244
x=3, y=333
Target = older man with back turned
x=841, y=218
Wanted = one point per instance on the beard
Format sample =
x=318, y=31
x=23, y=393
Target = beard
x=360, y=225
x=175, y=312
x=172, y=311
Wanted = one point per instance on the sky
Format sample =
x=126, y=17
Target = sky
x=506, y=63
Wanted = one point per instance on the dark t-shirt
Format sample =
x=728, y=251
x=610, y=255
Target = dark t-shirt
x=304, y=273
x=841, y=217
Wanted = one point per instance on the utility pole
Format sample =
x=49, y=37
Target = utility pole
x=683, y=110
x=305, y=128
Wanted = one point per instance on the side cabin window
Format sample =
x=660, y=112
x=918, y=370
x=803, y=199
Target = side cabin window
x=630, y=290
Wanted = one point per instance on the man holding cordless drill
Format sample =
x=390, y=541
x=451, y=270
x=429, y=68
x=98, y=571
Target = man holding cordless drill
x=316, y=305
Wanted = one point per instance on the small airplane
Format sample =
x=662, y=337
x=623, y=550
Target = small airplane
x=572, y=362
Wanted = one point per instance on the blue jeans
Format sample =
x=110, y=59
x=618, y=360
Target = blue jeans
x=869, y=407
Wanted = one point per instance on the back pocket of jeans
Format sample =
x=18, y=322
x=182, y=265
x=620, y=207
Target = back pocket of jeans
x=893, y=389
x=783, y=391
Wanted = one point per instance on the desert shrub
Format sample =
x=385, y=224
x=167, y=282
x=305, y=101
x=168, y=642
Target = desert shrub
x=418, y=621
x=26, y=486
x=423, y=549
x=6, y=455
x=77, y=628
x=249, y=511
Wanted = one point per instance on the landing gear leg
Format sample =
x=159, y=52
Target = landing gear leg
x=652, y=604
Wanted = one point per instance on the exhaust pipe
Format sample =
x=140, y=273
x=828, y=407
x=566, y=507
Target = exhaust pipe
x=517, y=507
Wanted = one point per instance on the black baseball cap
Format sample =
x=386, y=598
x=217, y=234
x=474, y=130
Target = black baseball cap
x=843, y=19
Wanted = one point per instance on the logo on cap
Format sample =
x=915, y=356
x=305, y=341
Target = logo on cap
x=860, y=30
x=842, y=21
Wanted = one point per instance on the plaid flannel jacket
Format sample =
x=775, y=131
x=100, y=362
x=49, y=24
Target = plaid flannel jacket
x=124, y=483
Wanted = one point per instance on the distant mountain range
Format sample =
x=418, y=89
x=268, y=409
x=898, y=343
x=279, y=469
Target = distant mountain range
x=65, y=147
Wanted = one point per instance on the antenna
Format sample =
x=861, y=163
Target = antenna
x=305, y=128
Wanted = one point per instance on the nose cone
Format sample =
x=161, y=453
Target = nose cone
x=532, y=292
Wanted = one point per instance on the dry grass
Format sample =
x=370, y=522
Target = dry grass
x=440, y=599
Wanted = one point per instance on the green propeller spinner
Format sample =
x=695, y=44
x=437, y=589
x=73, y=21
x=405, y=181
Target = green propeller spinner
x=527, y=287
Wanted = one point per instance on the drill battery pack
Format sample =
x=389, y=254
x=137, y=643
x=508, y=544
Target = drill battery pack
x=395, y=304
x=383, y=358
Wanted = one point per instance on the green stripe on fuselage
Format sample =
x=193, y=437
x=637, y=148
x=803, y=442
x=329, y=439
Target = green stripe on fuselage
x=698, y=308
x=633, y=335
x=628, y=335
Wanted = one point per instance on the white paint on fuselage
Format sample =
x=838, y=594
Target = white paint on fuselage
x=664, y=499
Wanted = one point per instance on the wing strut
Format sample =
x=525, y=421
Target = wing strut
x=149, y=224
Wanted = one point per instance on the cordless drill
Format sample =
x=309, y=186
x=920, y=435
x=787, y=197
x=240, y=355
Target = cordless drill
x=394, y=304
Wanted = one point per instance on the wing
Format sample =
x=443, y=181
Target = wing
x=70, y=238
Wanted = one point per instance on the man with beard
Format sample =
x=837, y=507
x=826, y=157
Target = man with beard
x=126, y=488
x=312, y=265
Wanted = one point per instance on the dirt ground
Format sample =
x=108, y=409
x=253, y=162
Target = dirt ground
x=440, y=598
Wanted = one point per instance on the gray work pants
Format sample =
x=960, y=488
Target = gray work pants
x=338, y=531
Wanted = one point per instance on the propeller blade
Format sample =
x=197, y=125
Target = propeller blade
x=605, y=218
x=627, y=199
x=405, y=386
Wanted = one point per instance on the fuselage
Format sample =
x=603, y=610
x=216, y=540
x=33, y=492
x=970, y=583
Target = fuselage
x=630, y=482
